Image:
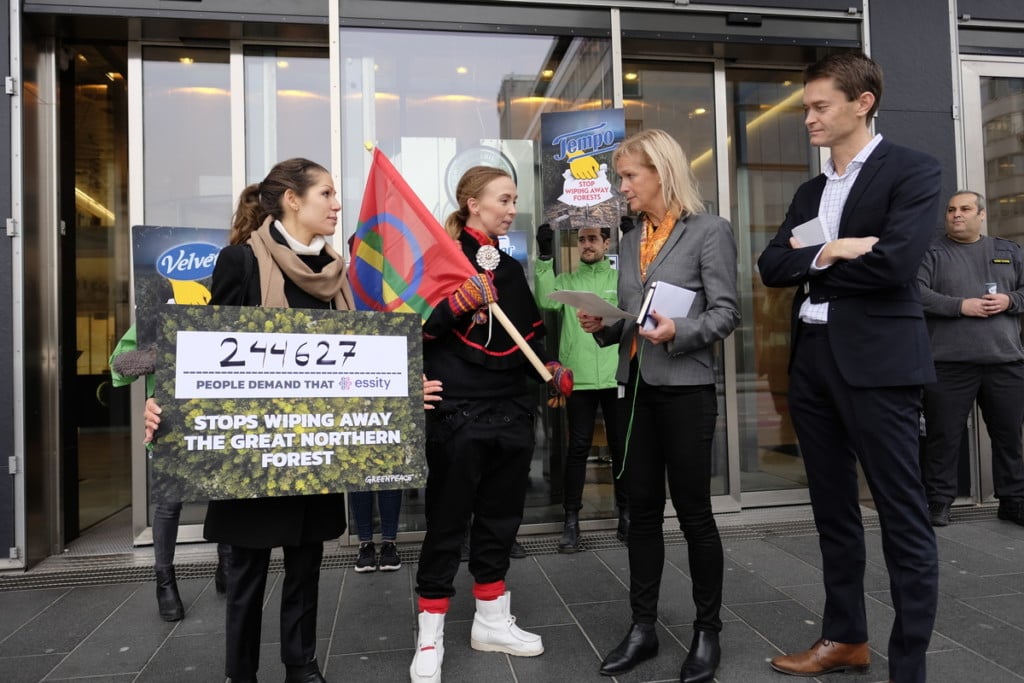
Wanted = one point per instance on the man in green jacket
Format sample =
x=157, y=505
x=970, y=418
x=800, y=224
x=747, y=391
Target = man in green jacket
x=593, y=371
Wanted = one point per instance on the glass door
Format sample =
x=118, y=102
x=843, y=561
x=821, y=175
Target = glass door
x=769, y=158
x=993, y=137
x=94, y=284
x=679, y=97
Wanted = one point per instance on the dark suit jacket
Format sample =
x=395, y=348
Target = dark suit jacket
x=876, y=325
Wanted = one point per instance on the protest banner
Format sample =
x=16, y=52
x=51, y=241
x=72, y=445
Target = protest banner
x=260, y=402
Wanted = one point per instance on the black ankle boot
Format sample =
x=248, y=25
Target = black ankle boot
x=570, y=542
x=622, y=532
x=220, y=576
x=167, y=599
x=306, y=673
x=701, y=663
x=641, y=643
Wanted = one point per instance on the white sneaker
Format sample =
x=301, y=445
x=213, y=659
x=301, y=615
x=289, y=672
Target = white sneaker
x=426, y=664
x=495, y=630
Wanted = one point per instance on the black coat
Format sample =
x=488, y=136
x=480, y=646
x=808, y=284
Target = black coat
x=283, y=520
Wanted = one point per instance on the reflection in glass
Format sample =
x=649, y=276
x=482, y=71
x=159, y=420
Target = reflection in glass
x=1002, y=112
x=99, y=236
x=287, y=107
x=769, y=158
x=680, y=99
x=437, y=104
x=187, y=137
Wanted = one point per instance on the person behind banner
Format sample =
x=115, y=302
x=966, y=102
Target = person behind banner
x=127, y=363
x=277, y=257
x=671, y=401
x=480, y=439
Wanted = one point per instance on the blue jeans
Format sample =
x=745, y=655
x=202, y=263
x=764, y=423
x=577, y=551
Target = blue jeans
x=389, y=503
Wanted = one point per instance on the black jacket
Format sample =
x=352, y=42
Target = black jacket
x=283, y=520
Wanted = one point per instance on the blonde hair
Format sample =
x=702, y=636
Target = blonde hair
x=471, y=186
x=259, y=200
x=657, y=149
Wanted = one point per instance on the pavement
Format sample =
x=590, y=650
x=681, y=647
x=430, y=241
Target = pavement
x=95, y=621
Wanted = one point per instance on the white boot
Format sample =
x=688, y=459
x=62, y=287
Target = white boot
x=426, y=665
x=495, y=630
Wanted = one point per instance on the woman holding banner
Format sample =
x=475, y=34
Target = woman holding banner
x=277, y=257
x=480, y=439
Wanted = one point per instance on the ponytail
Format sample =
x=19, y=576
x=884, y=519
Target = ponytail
x=248, y=216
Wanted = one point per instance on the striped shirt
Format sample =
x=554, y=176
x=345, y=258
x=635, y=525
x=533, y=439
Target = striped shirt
x=830, y=212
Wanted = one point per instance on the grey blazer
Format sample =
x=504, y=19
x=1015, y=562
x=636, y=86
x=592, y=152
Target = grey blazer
x=700, y=255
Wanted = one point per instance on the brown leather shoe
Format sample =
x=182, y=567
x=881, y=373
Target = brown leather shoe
x=825, y=657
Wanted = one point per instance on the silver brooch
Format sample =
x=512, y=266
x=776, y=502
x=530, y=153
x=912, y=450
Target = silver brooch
x=488, y=257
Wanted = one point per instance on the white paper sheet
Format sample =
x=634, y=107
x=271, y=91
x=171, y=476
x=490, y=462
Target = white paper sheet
x=590, y=303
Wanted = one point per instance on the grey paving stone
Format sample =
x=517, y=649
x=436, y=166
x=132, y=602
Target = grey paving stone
x=28, y=669
x=986, y=635
x=773, y=564
x=958, y=666
x=961, y=582
x=582, y=577
x=116, y=678
x=186, y=659
x=386, y=665
x=375, y=612
x=742, y=586
x=109, y=654
x=21, y=607
x=567, y=657
x=806, y=548
x=989, y=540
x=1008, y=608
x=973, y=560
x=67, y=621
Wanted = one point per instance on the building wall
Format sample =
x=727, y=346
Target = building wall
x=917, y=103
x=6, y=318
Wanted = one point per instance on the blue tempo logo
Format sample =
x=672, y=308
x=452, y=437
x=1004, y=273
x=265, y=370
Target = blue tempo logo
x=193, y=261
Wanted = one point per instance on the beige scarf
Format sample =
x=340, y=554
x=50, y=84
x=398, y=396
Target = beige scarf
x=277, y=260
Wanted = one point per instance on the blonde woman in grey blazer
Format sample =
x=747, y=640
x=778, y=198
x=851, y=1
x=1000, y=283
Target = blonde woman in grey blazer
x=670, y=403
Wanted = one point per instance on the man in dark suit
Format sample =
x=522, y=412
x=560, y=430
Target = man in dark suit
x=859, y=356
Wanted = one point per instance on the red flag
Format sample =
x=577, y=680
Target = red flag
x=402, y=259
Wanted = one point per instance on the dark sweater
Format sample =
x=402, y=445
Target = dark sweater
x=458, y=352
x=951, y=272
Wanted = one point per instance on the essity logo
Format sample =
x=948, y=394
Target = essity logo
x=192, y=261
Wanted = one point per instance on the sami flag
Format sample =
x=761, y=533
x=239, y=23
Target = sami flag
x=402, y=259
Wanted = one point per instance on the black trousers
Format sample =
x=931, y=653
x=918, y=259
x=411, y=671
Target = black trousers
x=478, y=454
x=999, y=390
x=246, y=583
x=669, y=435
x=837, y=425
x=581, y=411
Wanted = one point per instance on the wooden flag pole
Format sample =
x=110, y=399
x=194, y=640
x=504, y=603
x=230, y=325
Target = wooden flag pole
x=538, y=365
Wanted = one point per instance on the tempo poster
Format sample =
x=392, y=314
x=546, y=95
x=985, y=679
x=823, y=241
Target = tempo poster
x=262, y=402
x=579, y=189
x=171, y=265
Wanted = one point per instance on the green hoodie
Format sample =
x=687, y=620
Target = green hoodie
x=593, y=367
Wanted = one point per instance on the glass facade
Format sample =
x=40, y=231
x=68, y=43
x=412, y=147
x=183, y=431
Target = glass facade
x=437, y=97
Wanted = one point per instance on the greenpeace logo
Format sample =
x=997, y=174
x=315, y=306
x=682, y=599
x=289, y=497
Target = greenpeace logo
x=193, y=261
